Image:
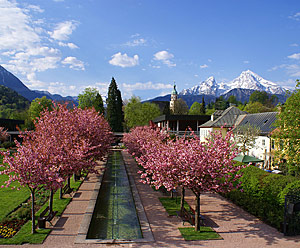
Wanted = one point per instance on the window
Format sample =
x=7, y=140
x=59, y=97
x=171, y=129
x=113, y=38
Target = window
x=263, y=142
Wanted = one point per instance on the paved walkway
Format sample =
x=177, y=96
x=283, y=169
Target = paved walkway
x=237, y=228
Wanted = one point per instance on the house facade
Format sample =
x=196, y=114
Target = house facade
x=221, y=118
x=232, y=118
x=263, y=146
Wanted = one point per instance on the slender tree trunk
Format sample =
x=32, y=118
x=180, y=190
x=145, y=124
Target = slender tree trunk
x=69, y=182
x=32, y=211
x=61, y=193
x=75, y=177
x=197, y=214
x=182, y=199
x=51, y=200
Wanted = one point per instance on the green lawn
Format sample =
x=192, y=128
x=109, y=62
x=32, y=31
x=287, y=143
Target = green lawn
x=206, y=233
x=172, y=205
x=11, y=198
x=25, y=236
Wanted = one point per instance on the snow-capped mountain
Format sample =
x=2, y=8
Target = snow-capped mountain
x=252, y=81
x=247, y=80
x=207, y=87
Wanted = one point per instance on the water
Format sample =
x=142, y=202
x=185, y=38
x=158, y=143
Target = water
x=115, y=215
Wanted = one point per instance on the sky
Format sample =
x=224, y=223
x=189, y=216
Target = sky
x=65, y=46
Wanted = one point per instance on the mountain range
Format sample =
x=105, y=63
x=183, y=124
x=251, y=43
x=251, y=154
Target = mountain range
x=241, y=87
x=11, y=81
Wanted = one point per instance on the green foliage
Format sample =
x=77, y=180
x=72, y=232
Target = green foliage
x=114, y=102
x=11, y=103
x=38, y=105
x=195, y=109
x=139, y=114
x=257, y=107
x=288, y=130
x=262, y=194
x=91, y=98
x=264, y=98
x=180, y=107
x=221, y=103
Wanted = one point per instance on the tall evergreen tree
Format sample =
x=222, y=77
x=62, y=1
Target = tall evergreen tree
x=114, y=102
x=202, y=109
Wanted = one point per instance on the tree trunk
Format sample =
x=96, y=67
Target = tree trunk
x=182, y=199
x=61, y=193
x=197, y=214
x=69, y=182
x=32, y=211
x=51, y=200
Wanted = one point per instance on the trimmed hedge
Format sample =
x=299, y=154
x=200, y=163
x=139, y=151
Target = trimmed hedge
x=263, y=194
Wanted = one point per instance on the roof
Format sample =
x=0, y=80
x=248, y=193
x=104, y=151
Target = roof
x=227, y=119
x=264, y=121
x=181, y=117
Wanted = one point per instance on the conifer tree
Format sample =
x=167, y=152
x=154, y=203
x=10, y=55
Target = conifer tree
x=115, y=114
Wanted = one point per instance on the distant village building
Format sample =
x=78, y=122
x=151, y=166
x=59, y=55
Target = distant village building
x=174, y=97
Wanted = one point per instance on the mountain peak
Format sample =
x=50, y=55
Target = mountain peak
x=246, y=80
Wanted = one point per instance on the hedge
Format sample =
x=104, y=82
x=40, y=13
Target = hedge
x=263, y=194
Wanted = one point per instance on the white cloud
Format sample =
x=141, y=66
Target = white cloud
x=15, y=29
x=74, y=63
x=35, y=8
x=124, y=60
x=165, y=57
x=246, y=62
x=294, y=56
x=294, y=45
x=292, y=70
x=295, y=16
x=136, y=42
x=69, y=44
x=146, y=86
x=203, y=66
x=128, y=89
x=63, y=30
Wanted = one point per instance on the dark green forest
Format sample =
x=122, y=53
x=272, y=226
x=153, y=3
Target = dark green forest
x=12, y=105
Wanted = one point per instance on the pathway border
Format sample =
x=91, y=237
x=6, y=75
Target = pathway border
x=144, y=223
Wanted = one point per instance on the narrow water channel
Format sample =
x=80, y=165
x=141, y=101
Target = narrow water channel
x=115, y=215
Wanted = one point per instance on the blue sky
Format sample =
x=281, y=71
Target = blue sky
x=64, y=46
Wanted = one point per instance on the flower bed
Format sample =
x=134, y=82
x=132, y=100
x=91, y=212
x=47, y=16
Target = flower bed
x=9, y=228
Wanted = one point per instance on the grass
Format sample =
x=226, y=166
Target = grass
x=172, y=205
x=25, y=235
x=11, y=198
x=206, y=233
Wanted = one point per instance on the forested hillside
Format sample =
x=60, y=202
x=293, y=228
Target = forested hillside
x=11, y=103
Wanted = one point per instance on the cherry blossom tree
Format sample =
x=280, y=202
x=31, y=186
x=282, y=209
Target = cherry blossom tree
x=187, y=162
x=64, y=142
x=30, y=166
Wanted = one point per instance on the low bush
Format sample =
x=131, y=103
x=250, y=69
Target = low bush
x=263, y=194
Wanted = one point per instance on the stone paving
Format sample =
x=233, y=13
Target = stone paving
x=236, y=227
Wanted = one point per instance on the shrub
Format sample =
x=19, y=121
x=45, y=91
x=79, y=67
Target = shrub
x=262, y=194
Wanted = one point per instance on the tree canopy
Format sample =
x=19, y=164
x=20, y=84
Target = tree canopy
x=287, y=132
x=114, y=111
x=180, y=107
x=139, y=114
x=91, y=98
